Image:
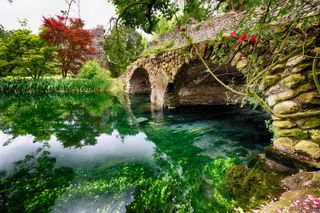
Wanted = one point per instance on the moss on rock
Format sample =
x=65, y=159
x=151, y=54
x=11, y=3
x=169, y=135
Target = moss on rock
x=295, y=133
x=252, y=187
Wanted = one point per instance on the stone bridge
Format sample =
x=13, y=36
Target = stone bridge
x=179, y=77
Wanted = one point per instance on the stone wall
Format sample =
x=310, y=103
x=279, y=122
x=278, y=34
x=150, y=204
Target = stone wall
x=291, y=93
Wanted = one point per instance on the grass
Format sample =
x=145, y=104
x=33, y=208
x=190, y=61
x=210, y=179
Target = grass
x=50, y=85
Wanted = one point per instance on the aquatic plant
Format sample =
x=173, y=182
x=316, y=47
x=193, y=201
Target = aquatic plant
x=34, y=184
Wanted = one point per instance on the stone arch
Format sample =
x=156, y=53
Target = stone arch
x=139, y=82
x=193, y=85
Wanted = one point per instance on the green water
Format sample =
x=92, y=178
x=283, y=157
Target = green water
x=90, y=153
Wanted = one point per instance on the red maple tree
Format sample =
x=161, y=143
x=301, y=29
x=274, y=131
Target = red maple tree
x=74, y=44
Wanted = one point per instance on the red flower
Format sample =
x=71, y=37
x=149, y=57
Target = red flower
x=233, y=34
x=242, y=37
x=252, y=39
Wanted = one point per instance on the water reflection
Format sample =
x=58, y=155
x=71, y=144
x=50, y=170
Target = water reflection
x=123, y=158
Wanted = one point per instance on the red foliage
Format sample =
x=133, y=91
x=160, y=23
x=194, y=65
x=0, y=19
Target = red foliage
x=242, y=37
x=252, y=39
x=74, y=43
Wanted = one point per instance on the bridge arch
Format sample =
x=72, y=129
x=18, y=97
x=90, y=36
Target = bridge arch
x=194, y=85
x=139, y=83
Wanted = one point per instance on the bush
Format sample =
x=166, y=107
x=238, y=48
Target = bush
x=93, y=71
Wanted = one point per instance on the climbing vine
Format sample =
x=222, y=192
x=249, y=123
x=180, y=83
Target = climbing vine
x=267, y=48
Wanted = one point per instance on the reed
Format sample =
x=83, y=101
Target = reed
x=51, y=85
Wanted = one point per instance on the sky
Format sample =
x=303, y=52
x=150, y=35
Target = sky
x=93, y=12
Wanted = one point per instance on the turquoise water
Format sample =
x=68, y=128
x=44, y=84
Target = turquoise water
x=91, y=153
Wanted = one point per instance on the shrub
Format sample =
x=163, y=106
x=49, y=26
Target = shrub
x=93, y=71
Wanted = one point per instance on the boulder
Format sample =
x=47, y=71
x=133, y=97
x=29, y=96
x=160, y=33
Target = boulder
x=295, y=60
x=309, y=148
x=292, y=81
x=286, y=107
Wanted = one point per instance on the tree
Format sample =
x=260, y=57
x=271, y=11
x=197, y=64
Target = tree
x=73, y=43
x=26, y=54
x=38, y=59
x=122, y=46
x=3, y=33
x=143, y=14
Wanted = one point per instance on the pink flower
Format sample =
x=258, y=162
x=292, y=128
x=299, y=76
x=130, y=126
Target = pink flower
x=242, y=37
x=233, y=34
x=252, y=39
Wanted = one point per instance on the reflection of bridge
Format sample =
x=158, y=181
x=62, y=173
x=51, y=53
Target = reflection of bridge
x=178, y=77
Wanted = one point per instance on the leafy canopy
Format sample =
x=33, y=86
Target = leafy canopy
x=122, y=46
x=26, y=54
x=143, y=14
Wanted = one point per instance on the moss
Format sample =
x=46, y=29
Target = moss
x=295, y=132
x=269, y=81
x=252, y=187
x=308, y=123
x=292, y=81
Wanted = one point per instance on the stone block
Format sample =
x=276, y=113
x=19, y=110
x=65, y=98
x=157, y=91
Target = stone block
x=312, y=97
x=295, y=60
x=282, y=96
x=241, y=64
x=294, y=133
x=236, y=59
x=309, y=148
x=269, y=81
x=286, y=107
x=292, y=81
x=284, y=124
x=308, y=122
x=284, y=144
x=315, y=135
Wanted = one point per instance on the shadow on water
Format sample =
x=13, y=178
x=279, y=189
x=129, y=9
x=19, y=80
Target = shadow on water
x=117, y=163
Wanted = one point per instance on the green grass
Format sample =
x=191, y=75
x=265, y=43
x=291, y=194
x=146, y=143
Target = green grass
x=50, y=85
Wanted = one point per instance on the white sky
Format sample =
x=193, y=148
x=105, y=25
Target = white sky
x=93, y=12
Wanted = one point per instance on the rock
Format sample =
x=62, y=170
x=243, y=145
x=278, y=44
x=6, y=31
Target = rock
x=286, y=107
x=284, y=124
x=309, y=98
x=292, y=160
x=275, y=89
x=302, y=180
x=292, y=81
x=300, y=186
x=241, y=65
x=282, y=96
x=295, y=60
x=309, y=148
x=277, y=68
x=306, y=87
x=284, y=144
x=236, y=59
x=315, y=135
x=268, y=81
x=295, y=133
x=301, y=67
x=308, y=122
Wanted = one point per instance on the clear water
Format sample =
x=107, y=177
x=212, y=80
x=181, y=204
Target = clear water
x=91, y=153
